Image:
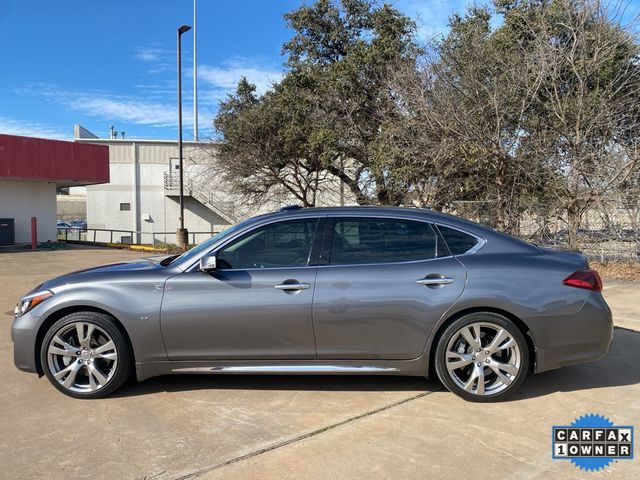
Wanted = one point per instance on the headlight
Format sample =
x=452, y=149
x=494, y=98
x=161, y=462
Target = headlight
x=30, y=301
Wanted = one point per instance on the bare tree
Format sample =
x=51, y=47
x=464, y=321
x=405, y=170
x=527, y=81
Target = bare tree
x=588, y=106
x=467, y=109
x=541, y=111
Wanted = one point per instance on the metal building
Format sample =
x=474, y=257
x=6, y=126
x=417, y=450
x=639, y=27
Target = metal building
x=141, y=200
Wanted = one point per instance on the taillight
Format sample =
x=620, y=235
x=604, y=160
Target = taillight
x=587, y=279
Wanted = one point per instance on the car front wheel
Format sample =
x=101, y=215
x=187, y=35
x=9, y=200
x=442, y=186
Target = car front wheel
x=482, y=357
x=84, y=355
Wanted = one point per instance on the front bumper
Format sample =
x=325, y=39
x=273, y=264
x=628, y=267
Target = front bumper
x=581, y=338
x=24, y=334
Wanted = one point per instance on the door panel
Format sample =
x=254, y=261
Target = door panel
x=379, y=311
x=256, y=306
x=389, y=280
x=239, y=314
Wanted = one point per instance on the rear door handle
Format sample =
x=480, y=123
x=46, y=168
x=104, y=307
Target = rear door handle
x=292, y=286
x=435, y=281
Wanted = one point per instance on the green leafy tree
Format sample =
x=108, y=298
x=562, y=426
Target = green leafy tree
x=269, y=149
x=347, y=49
x=324, y=120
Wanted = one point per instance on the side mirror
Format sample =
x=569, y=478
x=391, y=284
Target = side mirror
x=208, y=263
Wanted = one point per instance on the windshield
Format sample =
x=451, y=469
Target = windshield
x=204, y=246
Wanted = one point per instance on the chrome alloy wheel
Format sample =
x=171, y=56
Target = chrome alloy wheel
x=483, y=358
x=82, y=357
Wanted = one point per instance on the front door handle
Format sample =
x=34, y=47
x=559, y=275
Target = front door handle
x=292, y=286
x=435, y=281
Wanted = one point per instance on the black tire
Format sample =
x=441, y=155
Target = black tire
x=118, y=374
x=502, y=391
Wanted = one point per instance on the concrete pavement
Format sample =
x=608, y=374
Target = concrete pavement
x=624, y=299
x=299, y=427
x=441, y=436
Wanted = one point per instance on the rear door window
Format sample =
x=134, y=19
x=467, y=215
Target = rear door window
x=458, y=242
x=382, y=240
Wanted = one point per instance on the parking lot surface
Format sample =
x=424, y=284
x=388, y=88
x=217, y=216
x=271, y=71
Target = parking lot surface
x=300, y=426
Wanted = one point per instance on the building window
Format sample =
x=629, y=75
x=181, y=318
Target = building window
x=174, y=165
x=125, y=207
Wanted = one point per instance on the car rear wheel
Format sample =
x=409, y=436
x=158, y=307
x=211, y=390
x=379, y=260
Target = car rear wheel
x=482, y=357
x=84, y=355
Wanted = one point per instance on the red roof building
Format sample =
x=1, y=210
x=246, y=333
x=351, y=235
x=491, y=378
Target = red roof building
x=31, y=169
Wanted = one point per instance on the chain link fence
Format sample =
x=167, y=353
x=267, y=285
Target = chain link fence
x=608, y=230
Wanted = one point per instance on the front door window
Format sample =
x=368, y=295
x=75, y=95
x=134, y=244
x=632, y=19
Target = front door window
x=283, y=244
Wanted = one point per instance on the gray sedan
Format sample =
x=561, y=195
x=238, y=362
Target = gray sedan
x=356, y=290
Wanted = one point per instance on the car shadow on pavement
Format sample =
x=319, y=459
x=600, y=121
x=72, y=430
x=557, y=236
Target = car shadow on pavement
x=618, y=368
x=178, y=383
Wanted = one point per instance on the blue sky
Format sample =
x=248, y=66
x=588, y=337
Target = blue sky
x=101, y=63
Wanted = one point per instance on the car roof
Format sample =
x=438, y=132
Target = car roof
x=418, y=212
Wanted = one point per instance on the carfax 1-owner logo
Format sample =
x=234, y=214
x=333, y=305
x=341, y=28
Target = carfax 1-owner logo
x=592, y=442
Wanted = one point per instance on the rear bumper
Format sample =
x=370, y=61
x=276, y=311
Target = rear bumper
x=585, y=337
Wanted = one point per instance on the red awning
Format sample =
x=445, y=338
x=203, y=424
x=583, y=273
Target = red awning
x=64, y=163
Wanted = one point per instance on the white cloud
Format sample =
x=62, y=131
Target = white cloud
x=156, y=91
x=150, y=54
x=25, y=128
x=154, y=104
x=160, y=60
x=111, y=107
x=124, y=108
x=225, y=77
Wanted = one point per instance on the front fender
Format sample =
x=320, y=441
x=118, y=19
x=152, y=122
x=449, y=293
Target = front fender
x=135, y=305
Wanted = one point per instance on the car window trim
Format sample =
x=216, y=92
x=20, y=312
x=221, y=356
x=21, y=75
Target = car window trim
x=430, y=223
x=481, y=241
x=319, y=254
x=405, y=262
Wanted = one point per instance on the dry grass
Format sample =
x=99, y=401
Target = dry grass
x=617, y=270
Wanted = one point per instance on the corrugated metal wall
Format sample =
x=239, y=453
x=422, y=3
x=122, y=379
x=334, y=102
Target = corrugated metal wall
x=65, y=163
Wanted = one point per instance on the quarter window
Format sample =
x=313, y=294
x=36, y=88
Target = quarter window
x=382, y=240
x=282, y=244
x=457, y=241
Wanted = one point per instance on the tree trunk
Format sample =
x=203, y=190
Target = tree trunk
x=573, y=222
x=501, y=198
x=351, y=183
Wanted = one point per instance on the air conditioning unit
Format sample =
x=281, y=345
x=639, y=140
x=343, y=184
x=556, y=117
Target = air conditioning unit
x=7, y=231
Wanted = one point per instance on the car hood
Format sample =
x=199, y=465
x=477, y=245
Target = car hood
x=102, y=271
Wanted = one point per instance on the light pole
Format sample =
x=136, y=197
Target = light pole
x=182, y=235
x=195, y=72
